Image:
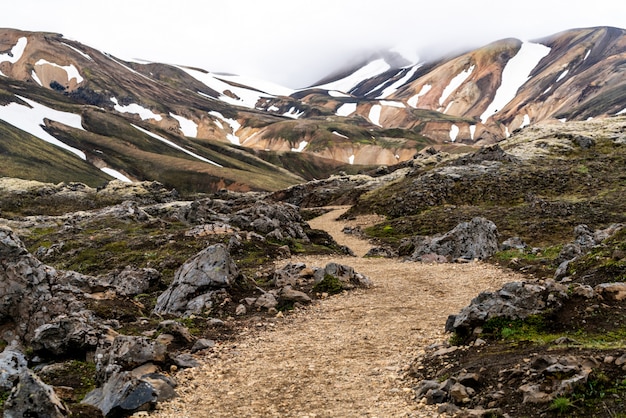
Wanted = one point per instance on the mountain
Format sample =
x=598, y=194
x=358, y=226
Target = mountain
x=101, y=118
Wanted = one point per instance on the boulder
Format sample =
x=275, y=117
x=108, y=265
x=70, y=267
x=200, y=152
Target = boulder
x=12, y=364
x=195, y=282
x=515, y=300
x=33, y=398
x=126, y=353
x=477, y=238
x=133, y=281
x=275, y=220
x=291, y=295
x=122, y=394
x=345, y=275
x=70, y=335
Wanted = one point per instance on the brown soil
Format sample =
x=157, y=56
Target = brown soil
x=347, y=355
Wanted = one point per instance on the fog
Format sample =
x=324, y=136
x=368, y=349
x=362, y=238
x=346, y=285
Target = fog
x=297, y=43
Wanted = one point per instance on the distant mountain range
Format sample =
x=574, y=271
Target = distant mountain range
x=69, y=112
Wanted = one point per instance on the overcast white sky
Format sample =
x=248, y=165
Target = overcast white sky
x=295, y=43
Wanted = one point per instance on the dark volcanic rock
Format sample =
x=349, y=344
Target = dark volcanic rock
x=33, y=398
x=477, y=238
x=196, y=282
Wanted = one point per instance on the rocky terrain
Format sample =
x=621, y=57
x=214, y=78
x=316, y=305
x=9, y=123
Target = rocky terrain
x=108, y=293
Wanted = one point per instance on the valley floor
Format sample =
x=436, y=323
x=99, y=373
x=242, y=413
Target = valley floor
x=344, y=356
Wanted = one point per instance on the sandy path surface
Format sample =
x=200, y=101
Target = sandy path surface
x=345, y=355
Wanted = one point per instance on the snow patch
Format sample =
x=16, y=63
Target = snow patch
x=454, y=132
x=134, y=108
x=34, y=76
x=547, y=90
x=374, y=115
x=273, y=108
x=472, y=129
x=562, y=76
x=335, y=93
x=72, y=72
x=262, y=86
x=338, y=134
x=31, y=120
x=526, y=121
x=346, y=109
x=173, y=145
x=116, y=174
x=392, y=103
x=455, y=83
x=234, y=127
x=621, y=111
x=563, y=120
x=395, y=86
x=78, y=51
x=109, y=56
x=346, y=84
x=16, y=52
x=587, y=54
x=414, y=99
x=187, y=126
x=301, y=147
x=351, y=159
x=243, y=97
x=293, y=113
x=515, y=74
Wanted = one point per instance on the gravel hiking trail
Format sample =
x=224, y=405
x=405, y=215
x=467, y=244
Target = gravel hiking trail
x=343, y=356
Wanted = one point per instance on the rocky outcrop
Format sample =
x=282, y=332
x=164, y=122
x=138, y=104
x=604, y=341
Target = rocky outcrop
x=276, y=221
x=197, y=281
x=476, y=239
x=33, y=398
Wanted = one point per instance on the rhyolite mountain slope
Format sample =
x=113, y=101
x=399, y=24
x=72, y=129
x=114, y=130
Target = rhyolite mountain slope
x=101, y=117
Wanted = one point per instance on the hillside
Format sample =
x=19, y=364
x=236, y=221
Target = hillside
x=198, y=131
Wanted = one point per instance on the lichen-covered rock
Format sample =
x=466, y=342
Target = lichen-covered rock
x=275, y=220
x=12, y=364
x=196, y=282
x=345, y=275
x=33, y=398
x=477, y=238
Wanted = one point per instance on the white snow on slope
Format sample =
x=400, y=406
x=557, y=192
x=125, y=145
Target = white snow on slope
x=173, y=145
x=301, y=147
x=78, y=51
x=234, y=126
x=414, y=99
x=346, y=84
x=293, y=113
x=392, y=103
x=246, y=97
x=30, y=119
x=257, y=84
x=621, y=112
x=338, y=134
x=187, y=126
x=587, y=54
x=454, y=132
x=455, y=83
x=136, y=109
x=34, y=76
x=16, y=52
x=109, y=56
x=515, y=74
x=116, y=174
x=72, y=72
x=351, y=159
x=346, y=109
x=395, y=86
x=374, y=115
x=562, y=76
x=335, y=93
x=525, y=122
x=472, y=129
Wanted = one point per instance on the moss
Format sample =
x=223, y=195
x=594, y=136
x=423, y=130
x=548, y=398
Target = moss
x=79, y=375
x=329, y=284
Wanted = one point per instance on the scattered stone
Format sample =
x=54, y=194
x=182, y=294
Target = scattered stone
x=202, y=344
x=122, y=394
x=291, y=295
x=33, y=398
x=179, y=331
x=186, y=361
x=266, y=301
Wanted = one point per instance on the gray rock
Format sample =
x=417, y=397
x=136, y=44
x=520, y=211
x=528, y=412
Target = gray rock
x=33, y=398
x=477, y=238
x=12, y=364
x=202, y=344
x=178, y=330
x=289, y=275
x=345, y=274
x=133, y=281
x=122, y=394
x=289, y=294
x=196, y=280
x=266, y=301
x=381, y=252
x=513, y=243
x=163, y=386
x=186, y=361
x=275, y=220
x=128, y=352
x=459, y=394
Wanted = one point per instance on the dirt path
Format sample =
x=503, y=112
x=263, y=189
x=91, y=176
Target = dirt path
x=342, y=357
